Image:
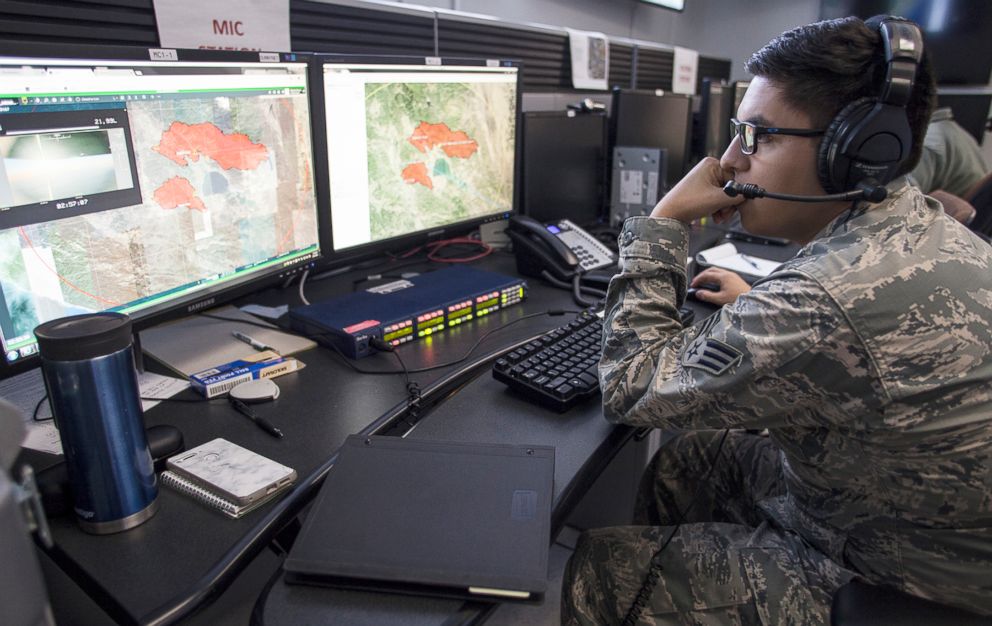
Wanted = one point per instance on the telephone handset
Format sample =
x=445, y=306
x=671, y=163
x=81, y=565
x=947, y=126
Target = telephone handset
x=562, y=248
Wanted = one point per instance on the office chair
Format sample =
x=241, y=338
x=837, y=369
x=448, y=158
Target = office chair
x=861, y=604
x=980, y=197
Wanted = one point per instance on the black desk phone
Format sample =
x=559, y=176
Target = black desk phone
x=560, y=247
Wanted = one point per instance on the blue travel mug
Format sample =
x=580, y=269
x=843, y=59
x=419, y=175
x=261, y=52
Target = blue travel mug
x=88, y=365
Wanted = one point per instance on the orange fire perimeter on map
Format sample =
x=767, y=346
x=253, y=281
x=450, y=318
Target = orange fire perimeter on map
x=183, y=143
x=455, y=143
x=417, y=173
x=177, y=192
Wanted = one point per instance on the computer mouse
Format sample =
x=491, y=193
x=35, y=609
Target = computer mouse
x=256, y=391
x=691, y=292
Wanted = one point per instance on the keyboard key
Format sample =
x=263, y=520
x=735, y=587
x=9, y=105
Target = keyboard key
x=588, y=378
x=558, y=369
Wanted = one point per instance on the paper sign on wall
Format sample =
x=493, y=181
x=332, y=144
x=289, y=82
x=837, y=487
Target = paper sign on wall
x=684, y=74
x=590, y=59
x=224, y=24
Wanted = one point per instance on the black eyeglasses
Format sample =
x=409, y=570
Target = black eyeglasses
x=749, y=133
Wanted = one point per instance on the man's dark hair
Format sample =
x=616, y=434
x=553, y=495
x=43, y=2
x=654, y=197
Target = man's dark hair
x=823, y=67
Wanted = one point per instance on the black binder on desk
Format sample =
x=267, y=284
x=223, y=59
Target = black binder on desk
x=438, y=518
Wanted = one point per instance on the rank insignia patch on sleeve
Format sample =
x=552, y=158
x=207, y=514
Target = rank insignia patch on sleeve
x=711, y=355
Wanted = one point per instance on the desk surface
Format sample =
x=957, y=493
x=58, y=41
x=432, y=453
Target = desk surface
x=147, y=568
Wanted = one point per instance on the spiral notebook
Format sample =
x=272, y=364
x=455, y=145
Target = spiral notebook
x=211, y=499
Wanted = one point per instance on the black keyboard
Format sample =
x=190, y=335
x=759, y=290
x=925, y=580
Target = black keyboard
x=558, y=369
x=561, y=368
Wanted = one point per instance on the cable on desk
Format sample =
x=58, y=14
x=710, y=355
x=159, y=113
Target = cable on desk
x=434, y=249
x=577, y=288
x=37, y=407
x=303, y=282
x=413, y=393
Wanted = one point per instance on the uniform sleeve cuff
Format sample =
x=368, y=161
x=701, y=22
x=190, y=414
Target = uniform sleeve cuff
x=645, y=240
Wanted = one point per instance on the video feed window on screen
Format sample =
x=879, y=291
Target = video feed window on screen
x=130, y=186
x=413, y=148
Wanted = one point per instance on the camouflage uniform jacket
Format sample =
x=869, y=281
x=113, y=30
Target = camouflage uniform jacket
x=868, y=357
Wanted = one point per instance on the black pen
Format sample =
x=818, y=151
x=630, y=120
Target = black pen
x=261, y=422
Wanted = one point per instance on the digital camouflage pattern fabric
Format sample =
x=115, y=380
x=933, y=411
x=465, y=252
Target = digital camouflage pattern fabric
x=869, y=359
x=736, y=568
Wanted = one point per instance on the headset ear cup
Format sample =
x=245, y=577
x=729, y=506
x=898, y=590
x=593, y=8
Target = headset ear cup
x=827, y=168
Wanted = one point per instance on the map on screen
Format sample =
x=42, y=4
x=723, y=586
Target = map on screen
x=445, y=148
x=133, y=200
x=413, y=148
x=222, y=186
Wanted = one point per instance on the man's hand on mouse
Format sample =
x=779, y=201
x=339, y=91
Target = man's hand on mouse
x=728, y=286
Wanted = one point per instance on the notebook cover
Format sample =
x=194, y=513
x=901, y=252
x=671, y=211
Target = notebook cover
x=195, y=343
x=430, y=517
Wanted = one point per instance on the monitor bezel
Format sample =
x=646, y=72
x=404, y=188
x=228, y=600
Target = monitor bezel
x=620, y=93
x=601, y=165
x=218, y=294
x=334, y=257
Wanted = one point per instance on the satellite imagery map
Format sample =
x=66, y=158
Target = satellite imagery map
x=445, y=148
x=226, y=182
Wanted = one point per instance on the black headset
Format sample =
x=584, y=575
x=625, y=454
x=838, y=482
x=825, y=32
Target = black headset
x=870, y=138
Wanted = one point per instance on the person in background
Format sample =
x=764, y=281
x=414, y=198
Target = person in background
x=950, y=165
x=867, y=357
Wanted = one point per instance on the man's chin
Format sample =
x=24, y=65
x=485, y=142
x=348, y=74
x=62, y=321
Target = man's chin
x=755, y=226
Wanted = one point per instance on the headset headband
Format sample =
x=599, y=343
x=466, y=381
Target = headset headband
x=903, y=50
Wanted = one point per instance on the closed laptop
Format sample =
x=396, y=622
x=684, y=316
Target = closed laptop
x=440, y=518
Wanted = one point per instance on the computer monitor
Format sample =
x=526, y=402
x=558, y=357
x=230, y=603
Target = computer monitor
x=417, y=148
x=712, y=122
x=971, y=110
x=564, y=166
x=148, y=182
x=652, y=119
x=956, y=32
x=740, y=88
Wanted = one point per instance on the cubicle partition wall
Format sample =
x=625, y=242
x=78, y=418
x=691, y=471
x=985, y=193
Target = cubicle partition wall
x=355, y=27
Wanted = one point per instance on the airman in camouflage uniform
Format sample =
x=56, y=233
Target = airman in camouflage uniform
x=868, y=358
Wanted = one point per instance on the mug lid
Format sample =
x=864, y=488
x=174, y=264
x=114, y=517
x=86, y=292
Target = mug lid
x=80, y=337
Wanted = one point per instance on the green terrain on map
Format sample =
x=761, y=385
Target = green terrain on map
x=462, y=188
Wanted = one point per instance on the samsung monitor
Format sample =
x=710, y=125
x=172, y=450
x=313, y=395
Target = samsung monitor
x=416, y=148
x=651, y=119
x=148, y=182
x=564, y=166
